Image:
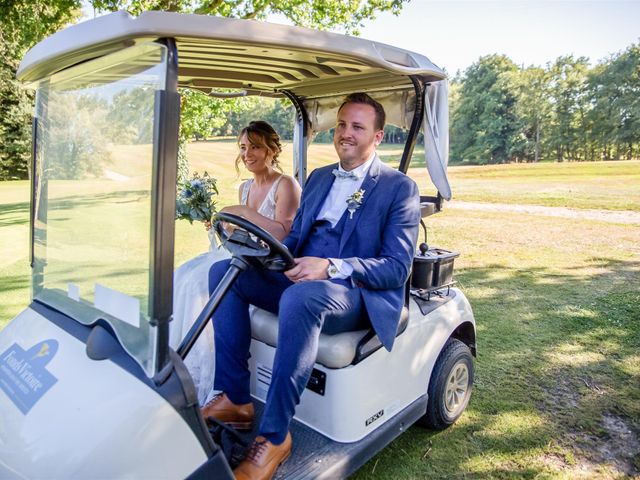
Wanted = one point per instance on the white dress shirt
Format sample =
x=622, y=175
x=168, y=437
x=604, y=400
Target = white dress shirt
x=336, y=204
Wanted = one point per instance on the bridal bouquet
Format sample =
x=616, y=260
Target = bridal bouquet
x=195, y=198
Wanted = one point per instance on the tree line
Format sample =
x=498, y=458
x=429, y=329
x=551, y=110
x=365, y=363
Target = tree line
x=566, y=111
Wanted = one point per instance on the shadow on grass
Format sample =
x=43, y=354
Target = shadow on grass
x=81, y=201
x=14, y=214
x=9, y=283
x=556, y=367
x=18, y=213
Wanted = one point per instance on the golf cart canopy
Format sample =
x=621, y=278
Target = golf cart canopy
x=106, y=133
x=258, y=58
x=226, y=53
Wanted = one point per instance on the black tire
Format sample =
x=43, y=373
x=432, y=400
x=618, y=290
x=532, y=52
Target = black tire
x=450, y=386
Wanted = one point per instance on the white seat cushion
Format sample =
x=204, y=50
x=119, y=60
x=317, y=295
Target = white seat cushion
x=334, y=351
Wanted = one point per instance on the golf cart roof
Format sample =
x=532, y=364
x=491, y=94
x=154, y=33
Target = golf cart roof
x=223, y=53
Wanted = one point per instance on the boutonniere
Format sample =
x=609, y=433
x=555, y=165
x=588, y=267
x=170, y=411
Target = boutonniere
x=354, y=202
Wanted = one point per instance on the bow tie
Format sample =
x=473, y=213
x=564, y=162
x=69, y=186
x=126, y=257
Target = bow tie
x=343, y=174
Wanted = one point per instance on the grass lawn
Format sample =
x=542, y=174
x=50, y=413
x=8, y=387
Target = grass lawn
x=557, y=305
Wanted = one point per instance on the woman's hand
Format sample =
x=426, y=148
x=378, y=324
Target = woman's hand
x=207, y=225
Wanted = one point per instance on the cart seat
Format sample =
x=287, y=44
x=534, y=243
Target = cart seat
x=334, y=351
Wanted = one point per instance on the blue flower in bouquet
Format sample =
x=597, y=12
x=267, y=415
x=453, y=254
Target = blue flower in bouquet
x=196, y=198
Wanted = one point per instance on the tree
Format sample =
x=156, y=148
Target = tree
x=15, y=115
x=567, y=130
x=533, y=108
x=278, y=112
x=485, y=126
x=320, y=14
x=614, y=90
x=77, y=137
x=23, y=24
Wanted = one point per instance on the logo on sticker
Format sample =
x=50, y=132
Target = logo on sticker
x=23, y=373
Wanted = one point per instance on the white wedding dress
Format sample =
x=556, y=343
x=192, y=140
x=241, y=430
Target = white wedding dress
x=190, y=294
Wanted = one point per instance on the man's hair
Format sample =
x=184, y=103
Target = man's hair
x=365, y=99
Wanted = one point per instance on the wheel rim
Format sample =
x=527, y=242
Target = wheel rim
x=457, y=388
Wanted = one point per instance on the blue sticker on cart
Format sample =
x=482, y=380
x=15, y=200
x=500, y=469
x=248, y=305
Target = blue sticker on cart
x=23, y=373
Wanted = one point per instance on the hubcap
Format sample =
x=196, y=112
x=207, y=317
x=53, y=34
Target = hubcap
x=457, y=388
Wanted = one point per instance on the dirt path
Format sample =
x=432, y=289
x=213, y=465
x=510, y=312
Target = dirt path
x=611, y=216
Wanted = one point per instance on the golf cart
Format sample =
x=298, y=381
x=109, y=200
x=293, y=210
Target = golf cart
x=89, y=384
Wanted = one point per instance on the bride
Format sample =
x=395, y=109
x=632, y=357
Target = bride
x=270, y=200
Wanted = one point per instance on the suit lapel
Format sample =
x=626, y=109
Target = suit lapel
x=369, y=183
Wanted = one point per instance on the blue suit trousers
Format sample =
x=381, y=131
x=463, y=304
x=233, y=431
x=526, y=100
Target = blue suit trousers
x=304, y=310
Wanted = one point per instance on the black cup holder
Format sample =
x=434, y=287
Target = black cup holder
x=433, y=269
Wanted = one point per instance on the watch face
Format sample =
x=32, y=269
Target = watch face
x=332, y=271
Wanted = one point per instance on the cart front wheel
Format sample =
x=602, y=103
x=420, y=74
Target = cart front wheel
x=450, y=385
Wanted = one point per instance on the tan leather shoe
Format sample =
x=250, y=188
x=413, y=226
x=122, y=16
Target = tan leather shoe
x=263, y=459
x=224, y=410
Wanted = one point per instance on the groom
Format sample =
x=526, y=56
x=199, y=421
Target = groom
x=353, y=239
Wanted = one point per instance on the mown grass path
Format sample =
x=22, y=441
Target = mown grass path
x=609, y=216
x=556, y=300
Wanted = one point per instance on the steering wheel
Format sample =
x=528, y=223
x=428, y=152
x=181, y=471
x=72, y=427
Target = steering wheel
x=252, y=243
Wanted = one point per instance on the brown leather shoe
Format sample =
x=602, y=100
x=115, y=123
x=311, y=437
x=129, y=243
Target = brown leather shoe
x=224, y=410
x=263, y=459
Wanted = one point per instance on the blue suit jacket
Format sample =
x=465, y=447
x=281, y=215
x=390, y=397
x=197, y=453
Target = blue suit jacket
x=378, y=242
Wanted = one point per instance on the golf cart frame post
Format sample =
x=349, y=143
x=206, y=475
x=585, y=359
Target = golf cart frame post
x=163, y=204
x=300, y=138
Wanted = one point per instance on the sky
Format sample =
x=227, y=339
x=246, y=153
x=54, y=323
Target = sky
x=455, y=33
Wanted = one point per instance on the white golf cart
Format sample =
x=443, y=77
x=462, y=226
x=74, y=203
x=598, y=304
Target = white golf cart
x=89, y=385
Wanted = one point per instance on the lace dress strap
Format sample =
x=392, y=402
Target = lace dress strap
x=246, y=186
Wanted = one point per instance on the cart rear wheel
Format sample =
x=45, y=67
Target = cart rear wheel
x=450, y=385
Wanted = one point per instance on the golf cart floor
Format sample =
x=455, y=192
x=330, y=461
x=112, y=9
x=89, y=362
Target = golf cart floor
x=315, y=456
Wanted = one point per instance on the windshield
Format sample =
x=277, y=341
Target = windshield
x=93, y=181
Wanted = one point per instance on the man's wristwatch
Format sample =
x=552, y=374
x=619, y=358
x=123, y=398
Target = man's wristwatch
x=332, y=270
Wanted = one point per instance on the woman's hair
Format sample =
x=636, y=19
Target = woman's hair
x=262, y=134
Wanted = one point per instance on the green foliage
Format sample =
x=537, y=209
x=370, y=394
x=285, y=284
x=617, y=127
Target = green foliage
x=23, y=24
x=615, y=94
x=77, y=136
x=320, y=14
x=569, y=95
x=485, y=124
x=201, y=113
x=277, y=112
x=15, y=119
x=566, y=111
x=130, y=117
x=533, y=108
